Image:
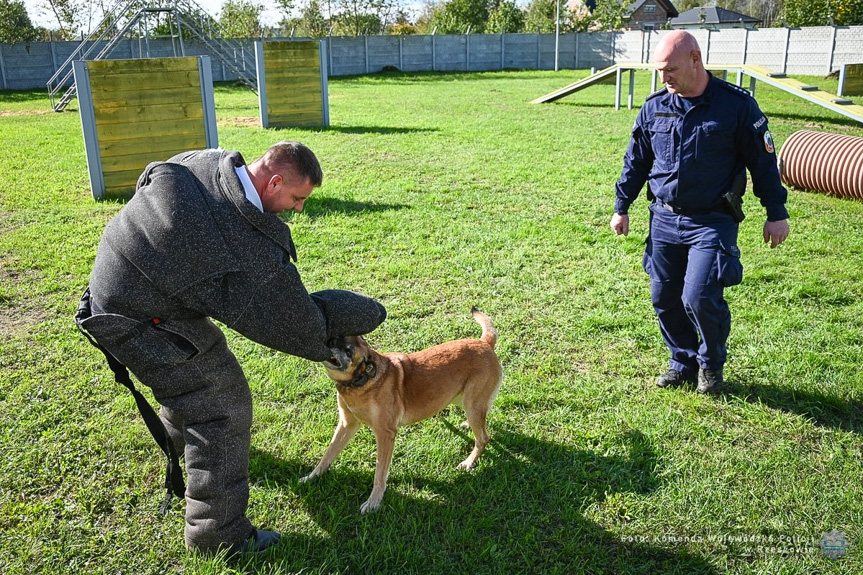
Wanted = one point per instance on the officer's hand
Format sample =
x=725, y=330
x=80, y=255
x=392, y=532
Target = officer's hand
x=776, y=232
x=620, y=224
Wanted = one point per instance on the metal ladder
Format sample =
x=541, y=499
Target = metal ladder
x=186, y=14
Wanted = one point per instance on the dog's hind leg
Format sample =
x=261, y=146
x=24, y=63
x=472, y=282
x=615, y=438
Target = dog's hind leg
x=477, y=403
x=345, y=430
x=476, y=416
x=385, y=436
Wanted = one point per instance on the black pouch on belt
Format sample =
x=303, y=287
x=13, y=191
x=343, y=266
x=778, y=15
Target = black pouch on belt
x=733, y=198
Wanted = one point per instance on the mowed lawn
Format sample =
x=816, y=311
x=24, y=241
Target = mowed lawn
x=444, y=191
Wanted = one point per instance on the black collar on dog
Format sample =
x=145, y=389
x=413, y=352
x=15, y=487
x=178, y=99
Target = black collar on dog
x=366, y=372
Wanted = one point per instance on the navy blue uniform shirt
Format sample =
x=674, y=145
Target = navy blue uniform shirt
x=689, y=151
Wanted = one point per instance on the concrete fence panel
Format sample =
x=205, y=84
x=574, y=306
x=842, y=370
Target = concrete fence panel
x=848, y=48
x=728, y=47
x=768, y=48
x=416, y=53
x=810, y=51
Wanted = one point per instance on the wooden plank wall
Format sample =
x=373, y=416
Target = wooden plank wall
x=293, y=79
x=145, y=110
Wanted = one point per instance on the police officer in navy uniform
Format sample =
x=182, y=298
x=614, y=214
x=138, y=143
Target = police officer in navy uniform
x=692, y=142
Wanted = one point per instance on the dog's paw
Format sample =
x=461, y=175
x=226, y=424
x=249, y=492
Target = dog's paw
x=370, y=505
x=466, y=465
x=307, y=478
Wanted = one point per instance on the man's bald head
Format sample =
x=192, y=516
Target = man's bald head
x=678, y=61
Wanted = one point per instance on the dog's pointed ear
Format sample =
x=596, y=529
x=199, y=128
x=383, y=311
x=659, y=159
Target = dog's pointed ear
x=371, y=369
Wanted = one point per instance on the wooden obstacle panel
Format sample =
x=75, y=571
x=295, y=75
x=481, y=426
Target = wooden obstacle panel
x=851, y=80
x=292, y=84
x=134, y=112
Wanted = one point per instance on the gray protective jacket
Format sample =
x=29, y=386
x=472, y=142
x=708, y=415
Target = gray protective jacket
x=189, y=245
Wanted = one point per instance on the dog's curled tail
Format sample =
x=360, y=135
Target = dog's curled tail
x=489, y=334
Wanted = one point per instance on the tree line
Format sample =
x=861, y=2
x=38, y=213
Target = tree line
x=318, y=18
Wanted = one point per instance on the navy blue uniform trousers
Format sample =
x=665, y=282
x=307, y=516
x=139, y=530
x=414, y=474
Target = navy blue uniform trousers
x=691, y=259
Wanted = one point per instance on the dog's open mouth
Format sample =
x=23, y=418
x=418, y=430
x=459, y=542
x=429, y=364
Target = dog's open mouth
x=340, y=360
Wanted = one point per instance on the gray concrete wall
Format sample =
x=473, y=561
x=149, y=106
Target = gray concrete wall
x=810, y=51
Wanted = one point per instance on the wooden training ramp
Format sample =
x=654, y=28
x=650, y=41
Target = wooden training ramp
x=840, y=105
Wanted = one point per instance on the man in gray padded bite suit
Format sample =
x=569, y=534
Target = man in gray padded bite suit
x=201, y=239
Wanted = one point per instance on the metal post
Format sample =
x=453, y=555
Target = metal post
x=325, y=83
x=617, y=75
x=707, y=49
x=467, y=49
x=631, y=89
x=832, y=49
x=785, y=53
x=556, y=33
x=502, y=52
x=263, y=105
x=366, y=45
x=577, y=36
x=3, y=69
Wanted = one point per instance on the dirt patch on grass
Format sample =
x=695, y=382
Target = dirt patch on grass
x=17, y=315
x=4, y=113
x=241, y=121
x=17, y=321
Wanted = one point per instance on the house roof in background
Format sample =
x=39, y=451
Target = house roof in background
x=664, y=4
x=713, y=15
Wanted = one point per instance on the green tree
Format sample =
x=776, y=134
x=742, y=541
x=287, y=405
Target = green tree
x=505, y=18
x=610, y=14
x=848, y=13
x=311, y=22
x=241, y=19
x=69, y=15
x=15, y=24
x=539, y=16
x=457, y=16
x=822, y=12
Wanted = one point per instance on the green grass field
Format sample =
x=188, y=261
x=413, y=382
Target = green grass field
x=444, y=191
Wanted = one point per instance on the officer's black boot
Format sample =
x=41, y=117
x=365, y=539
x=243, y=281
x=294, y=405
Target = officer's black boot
x=674, y=378
x=709, y=381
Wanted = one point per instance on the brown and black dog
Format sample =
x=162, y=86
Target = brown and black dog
x=385, y=391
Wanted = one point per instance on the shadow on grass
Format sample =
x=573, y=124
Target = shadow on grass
x=522, y=510
x=829, y=119
x=824, y=410
x=18, y=96
x=366, y=130
x=316, y=207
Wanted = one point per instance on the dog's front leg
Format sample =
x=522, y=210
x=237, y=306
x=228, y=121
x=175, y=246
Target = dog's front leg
x=385, y=437
x=345, y=430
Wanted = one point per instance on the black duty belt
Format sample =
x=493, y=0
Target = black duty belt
x=173, y=474
x=689, y=211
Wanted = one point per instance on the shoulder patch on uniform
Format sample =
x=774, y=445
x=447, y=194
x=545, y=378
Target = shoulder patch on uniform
x=768, y=142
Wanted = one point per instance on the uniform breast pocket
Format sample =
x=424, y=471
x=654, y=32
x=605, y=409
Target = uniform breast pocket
x=713, y=138
x=662, y=141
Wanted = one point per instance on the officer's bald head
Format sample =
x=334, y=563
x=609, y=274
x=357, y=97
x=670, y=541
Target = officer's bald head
x=678, y=61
